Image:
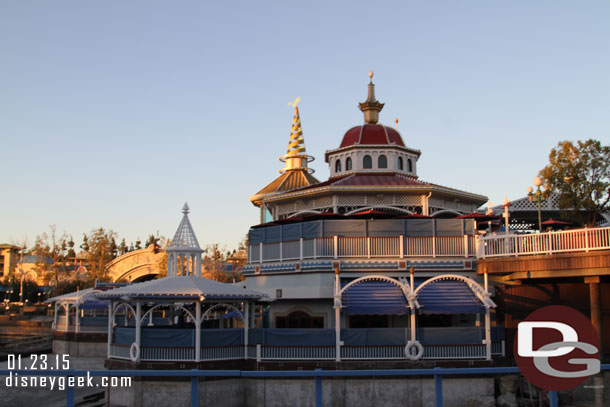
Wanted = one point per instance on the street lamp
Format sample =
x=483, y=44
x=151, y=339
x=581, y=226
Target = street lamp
x=537, y=197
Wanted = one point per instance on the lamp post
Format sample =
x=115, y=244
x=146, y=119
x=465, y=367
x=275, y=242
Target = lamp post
x=537, y=197
x=505, y=205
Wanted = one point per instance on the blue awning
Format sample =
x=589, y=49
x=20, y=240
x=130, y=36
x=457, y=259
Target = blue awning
x=448, y=297
x=374, y=298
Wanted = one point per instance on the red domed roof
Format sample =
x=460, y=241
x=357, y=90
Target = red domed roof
x=372, y=134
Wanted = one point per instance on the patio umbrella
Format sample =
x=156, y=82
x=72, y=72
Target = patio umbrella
x=556, y=224
x=371, y=214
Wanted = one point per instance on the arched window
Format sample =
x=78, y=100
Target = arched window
x=367, y=162
x=400, y=166
x=338, y=166
x=409, y=165
x=382, y=162
x=348, y=164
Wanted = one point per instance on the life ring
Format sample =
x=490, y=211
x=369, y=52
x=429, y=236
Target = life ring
x=408, y=350
x=134, y=352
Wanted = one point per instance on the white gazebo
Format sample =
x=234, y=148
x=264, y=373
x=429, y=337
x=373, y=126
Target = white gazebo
x=185, y=295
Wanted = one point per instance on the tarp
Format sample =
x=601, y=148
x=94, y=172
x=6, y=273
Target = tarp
x=448, y=297
x=361, y=228
x=374, y=336
x=292, y=337
x=222, y=337
x=373, y=297
x=386, y=227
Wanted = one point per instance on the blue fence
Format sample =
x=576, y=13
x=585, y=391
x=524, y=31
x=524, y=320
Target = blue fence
x=437, y=373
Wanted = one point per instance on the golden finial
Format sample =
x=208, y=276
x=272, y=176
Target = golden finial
x=396, y=121
x=371, y=76
x=296, y=101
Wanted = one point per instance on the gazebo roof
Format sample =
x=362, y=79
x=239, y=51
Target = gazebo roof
x=185, y=238
x=181, y=287
x=79, y=296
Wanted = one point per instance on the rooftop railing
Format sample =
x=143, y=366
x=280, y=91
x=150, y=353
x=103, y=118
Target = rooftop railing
x=565, y=241
x=338, y=247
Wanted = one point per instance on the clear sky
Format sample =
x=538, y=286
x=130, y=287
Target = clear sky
x=115, y=113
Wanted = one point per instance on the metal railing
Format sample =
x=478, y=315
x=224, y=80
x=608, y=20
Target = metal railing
x=337, y=247
x=565, y=241
x=272, y=352
x=437, y=373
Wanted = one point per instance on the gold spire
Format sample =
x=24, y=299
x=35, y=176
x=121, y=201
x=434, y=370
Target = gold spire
x=296, y=157
x=371, y=107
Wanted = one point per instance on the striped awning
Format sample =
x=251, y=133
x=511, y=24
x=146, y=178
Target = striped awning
x=448, y=297
x=374, y=298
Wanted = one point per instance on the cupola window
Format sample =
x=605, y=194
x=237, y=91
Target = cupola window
x=348, y=164
x=400, y=164
x=367, y=162
x=382, y=162
x=409, y=165
x=338, y=166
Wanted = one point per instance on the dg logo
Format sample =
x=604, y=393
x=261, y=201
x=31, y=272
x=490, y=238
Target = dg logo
x=557, y=348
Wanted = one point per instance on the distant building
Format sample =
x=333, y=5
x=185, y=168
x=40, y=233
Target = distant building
x=9, y=255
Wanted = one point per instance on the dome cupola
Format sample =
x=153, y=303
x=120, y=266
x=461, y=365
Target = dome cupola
x=372, y=147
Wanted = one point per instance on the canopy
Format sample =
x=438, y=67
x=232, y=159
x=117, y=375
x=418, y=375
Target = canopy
x=181, y=287
x=448, y=297
x=375, y=298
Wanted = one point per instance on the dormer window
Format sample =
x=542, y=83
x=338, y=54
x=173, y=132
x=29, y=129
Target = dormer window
x=400, y=164
x=409, y=165
x=382, y=162
x=338, y=166
x=348, y=164
x=367, y=162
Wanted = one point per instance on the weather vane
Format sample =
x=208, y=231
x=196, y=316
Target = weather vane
x=296, y=101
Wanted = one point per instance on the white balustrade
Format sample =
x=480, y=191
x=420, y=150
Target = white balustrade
x=565, y=241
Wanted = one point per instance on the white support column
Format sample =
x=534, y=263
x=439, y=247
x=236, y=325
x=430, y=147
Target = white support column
x=67, y=308
x=412, y=316
x=138, y=331
x=487, y=321
x=260, y=252
x=337, y=316
x=246, y=328
x=77, y=318
x=110, y=328
x=336, y=246
x=55, y=316
x=197, y=331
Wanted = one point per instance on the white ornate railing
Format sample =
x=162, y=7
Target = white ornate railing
x=223, y=352
x=363, y=247
x=297, y=352
x=565, y=241
x=259, y=352
x=454, y=352
x=153, y=353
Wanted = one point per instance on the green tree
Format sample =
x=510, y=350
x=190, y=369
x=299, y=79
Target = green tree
x=102, y=250
x=580, y=174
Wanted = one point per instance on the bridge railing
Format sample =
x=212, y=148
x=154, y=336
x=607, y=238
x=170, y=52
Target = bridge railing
x=565, y=241
x=318, y=374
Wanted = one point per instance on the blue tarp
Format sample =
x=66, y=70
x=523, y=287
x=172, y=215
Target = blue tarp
x=222, y=337
x=374, y=298
x=361, y=228
x=448, y=297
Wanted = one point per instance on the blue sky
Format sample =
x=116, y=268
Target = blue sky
x=114, y=113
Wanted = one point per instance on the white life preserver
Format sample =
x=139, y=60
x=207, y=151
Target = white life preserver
x=408, y=350
x=134, y=352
